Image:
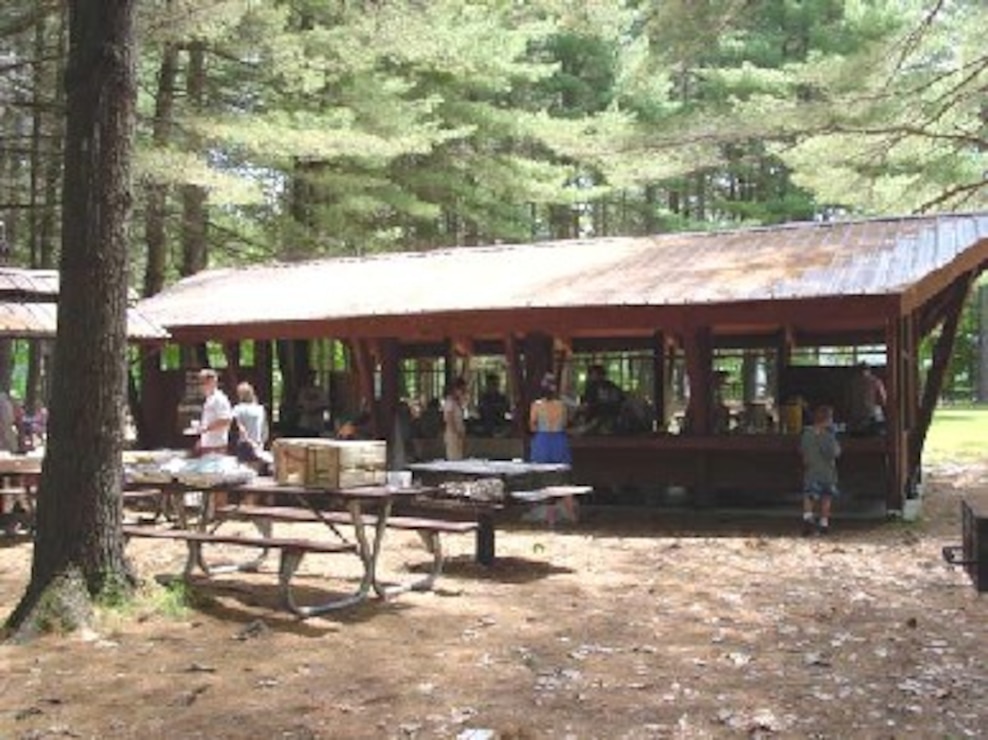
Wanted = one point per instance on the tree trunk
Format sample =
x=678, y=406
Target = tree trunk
x=157, y=193
x=78, y=551
x=194, y=256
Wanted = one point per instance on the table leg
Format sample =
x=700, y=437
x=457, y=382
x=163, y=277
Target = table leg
x=485, y=538
x=369, y=551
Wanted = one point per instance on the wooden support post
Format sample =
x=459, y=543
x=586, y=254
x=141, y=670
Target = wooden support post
x=942, y=352
x=387, y=408
x=660, y=380
x=516, y=385
x=894, y=428
x=264, y=366
x=152, y=395
x=231, y=376
x=699, y=367
x=364, y=360
x=538, y=362
x=783, y=355
x=449, y=365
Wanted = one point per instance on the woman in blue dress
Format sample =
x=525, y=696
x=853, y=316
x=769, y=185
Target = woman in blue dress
x=547, y=421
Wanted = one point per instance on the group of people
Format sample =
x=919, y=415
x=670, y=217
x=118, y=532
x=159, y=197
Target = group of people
x=548, y=418
x=247, y=418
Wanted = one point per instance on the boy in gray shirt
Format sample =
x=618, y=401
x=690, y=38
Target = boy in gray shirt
x=820, y=450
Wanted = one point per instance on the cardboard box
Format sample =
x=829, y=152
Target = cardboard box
x=289, y=461
x=329, y=463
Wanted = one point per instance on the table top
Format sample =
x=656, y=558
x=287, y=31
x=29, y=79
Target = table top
x=20, y=465
x=487, y=468
x=269, y=485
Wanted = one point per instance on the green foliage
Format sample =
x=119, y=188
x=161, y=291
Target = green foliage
x=342, y=128
x=956, y=434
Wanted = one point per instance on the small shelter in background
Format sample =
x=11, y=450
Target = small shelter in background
x=716, y=336
x=29, y=310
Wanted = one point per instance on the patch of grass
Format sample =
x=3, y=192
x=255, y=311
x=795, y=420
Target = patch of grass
x=172, y=599
x=958, y=433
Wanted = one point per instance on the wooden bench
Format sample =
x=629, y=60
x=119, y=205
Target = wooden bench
x=292, y=551
x=430, y=530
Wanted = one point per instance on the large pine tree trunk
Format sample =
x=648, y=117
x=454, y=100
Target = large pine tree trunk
x=78, y=549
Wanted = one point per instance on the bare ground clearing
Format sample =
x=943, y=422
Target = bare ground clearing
x=666, y=625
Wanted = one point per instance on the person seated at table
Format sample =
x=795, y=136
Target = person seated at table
x=217, y=415
x=602, y=401
x=492, y=407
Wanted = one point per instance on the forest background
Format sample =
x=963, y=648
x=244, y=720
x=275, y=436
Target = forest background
x=289, y=130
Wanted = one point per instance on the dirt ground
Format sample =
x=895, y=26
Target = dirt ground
x=661, y=625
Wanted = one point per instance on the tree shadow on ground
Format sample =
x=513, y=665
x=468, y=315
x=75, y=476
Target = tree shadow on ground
x=509, y=569
x=698, y=524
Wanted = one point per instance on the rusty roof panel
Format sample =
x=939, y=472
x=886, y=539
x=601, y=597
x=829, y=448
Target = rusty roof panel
x=800, y=261
x=24, y=284
x=37, y=320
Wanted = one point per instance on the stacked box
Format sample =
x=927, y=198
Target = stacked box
x=289, y=461
x=330, y=463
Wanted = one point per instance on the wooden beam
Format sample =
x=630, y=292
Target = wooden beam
x=364, y=361
x=818, y=314
x=516, y=386
x=660, y=380
x=387, y=408
x=895, y=479
x=699, y=368
x=263, y=364
x=942, y=352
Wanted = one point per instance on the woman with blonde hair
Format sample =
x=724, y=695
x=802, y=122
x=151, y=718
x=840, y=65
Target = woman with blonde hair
x=252, y=424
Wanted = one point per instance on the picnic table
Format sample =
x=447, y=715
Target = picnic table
x=366, y=509
x=19, y=478
x=526, y=484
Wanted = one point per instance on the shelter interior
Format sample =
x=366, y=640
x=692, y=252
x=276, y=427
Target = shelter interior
x=710, y=410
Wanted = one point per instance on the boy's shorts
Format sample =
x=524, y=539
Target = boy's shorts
x=816, y=490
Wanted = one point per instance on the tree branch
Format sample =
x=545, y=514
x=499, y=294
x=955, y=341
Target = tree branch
x=967, y=190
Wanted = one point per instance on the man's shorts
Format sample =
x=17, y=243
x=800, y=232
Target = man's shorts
x=817, y=489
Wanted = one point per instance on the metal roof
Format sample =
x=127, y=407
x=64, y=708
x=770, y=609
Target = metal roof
x=17, y=283
x=28, y=307
x=879, y=257
x=36, y=320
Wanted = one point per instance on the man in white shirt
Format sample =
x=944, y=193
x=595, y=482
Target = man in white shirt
x=214, y=427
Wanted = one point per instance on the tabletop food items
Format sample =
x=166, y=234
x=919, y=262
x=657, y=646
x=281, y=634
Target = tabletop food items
x=175, y=466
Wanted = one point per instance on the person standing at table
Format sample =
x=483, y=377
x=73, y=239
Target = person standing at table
x=252, y=424
x=214, y=425
x=454, y=419
x=819, y=449
x=547, y=422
